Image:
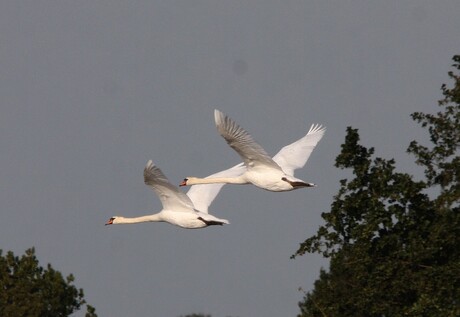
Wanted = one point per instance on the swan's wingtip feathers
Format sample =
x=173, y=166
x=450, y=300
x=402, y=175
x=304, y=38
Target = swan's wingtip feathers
x=149, y=165
x=316, y=128
x=219, y=116
x=149, y=172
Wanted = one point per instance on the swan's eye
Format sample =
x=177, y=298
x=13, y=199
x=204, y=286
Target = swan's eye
x=284, y=179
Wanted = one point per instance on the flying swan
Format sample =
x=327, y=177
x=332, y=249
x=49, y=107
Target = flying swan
x=272, y=174
x=184, y=210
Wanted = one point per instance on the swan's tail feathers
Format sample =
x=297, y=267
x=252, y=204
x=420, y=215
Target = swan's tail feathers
x=316, y=128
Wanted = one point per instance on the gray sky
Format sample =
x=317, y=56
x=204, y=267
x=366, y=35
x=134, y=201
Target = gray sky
x=90, y=90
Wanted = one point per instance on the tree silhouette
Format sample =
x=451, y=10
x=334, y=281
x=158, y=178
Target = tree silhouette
x=393, y=242
x=27, y=289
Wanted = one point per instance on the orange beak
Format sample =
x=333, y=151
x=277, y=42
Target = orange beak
x=184, y=183
x=109, y=222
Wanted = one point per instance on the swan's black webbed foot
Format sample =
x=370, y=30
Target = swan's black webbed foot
x=298, y=184
x=211, y=222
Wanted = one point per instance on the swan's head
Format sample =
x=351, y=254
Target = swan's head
x=188, y=181
x=184, y=182
x=113, y=220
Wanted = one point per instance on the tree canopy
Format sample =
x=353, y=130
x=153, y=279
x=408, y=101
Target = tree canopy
x=27, y=289
x=393, y=241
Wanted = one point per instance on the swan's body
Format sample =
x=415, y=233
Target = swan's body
x=273, y=174
x=186, y=211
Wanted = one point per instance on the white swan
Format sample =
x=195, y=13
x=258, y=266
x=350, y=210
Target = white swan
x=273, y=174
x=187, y=211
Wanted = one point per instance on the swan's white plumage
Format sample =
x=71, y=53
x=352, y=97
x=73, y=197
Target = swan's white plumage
x=242, y=142
x=170, y=196
x=296, y=154
x=273, y=174
x=203, y=195
x=178, y=208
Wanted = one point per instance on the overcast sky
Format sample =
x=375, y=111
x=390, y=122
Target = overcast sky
x=91, y=90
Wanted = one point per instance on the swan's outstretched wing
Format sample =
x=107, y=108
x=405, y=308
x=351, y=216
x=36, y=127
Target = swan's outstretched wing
x=203, y=195
x=295, y=155
x=171, y=197
x=242, y=142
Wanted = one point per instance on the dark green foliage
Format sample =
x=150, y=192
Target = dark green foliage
x=27, y=289
x=394, y=249
x=90, y=311
x=442, y=162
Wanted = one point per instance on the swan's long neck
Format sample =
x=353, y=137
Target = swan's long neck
x=148, y=218
x=215, y=180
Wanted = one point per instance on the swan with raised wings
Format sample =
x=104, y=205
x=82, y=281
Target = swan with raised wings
x=272, y=174
x=184, y=210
